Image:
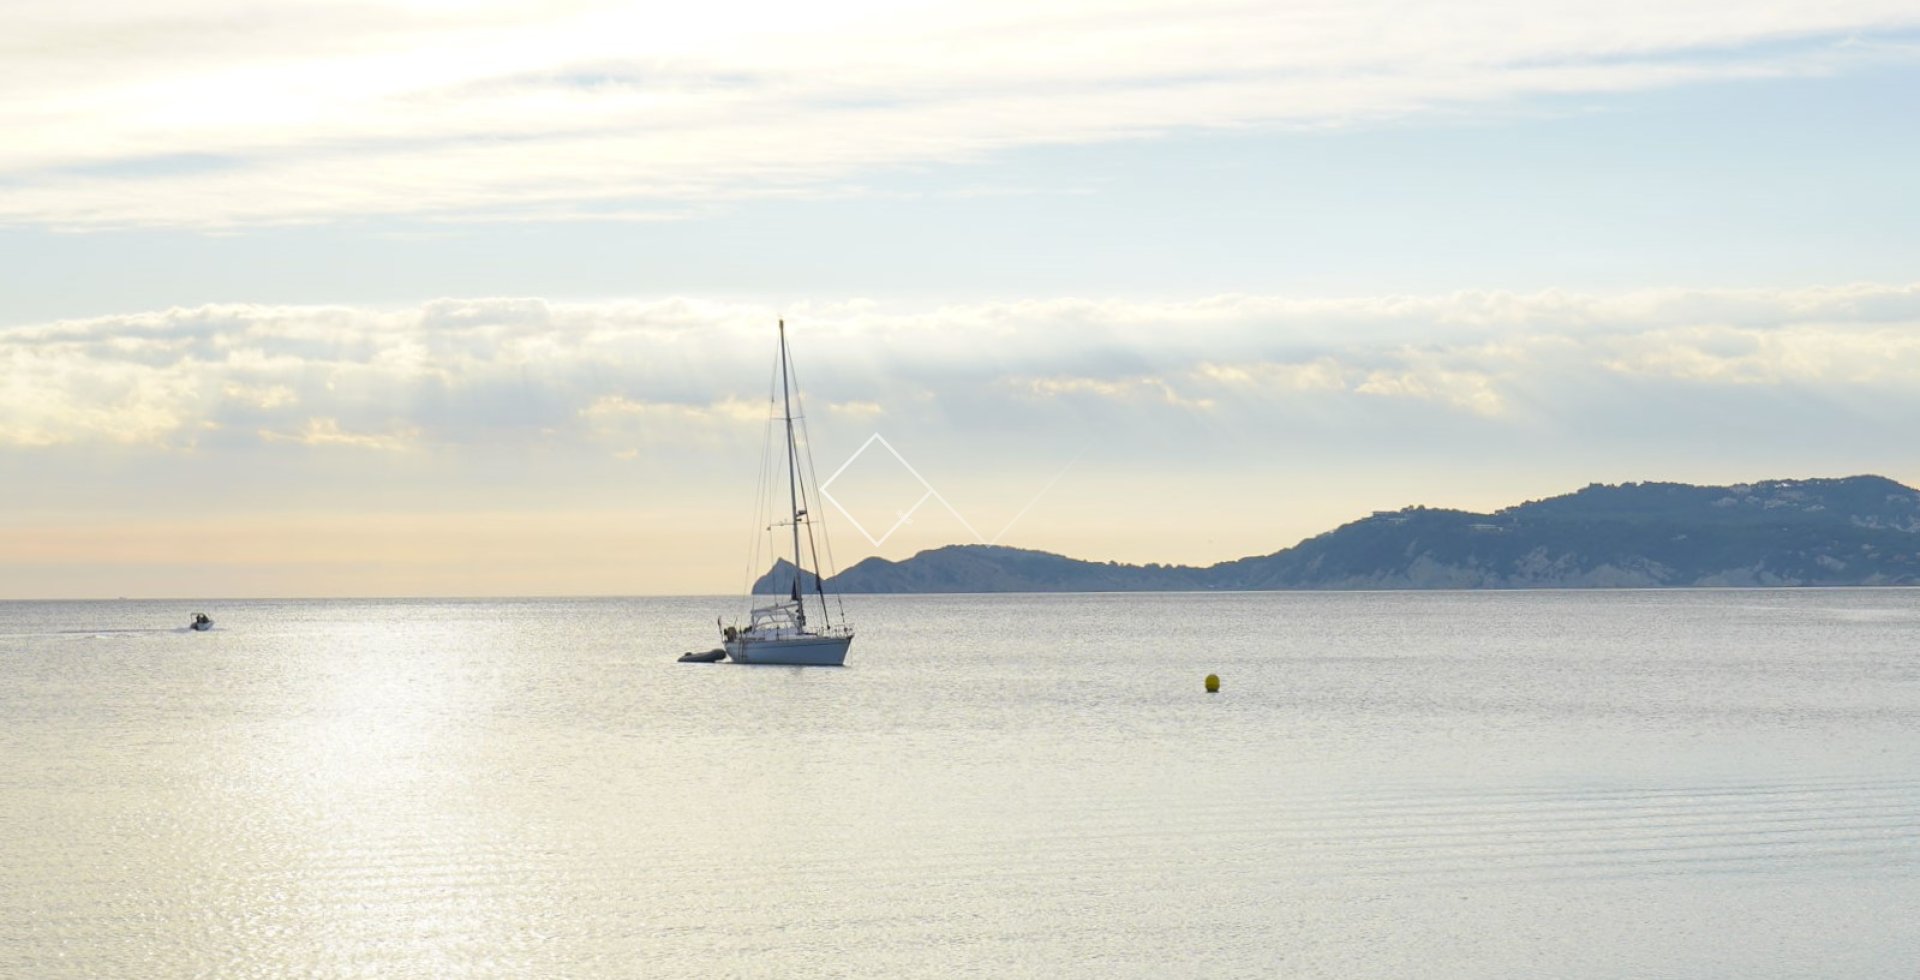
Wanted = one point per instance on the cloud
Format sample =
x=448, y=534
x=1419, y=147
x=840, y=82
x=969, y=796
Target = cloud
x=863, y=410
x=636, y=425
x=265, y=397
x=1135, y=389
x=1321, y=374
x=1468, y=390
x=215, y=113
x=1879, y=356
x=327, y=432
x=634, y=376
x=615, y=407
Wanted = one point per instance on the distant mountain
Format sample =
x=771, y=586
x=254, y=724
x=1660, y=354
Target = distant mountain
x=1855, y=531
x=779, y=579
x=1861, y=530
x=990, y=568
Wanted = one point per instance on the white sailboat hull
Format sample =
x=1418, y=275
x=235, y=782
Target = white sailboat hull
x=795, y=651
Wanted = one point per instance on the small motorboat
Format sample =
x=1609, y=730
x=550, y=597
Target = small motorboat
x=712, y=656
x=201, y=622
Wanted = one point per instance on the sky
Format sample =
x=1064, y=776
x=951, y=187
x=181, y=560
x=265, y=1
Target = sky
x=328, y=298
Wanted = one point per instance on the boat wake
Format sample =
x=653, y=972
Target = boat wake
x=103, y=634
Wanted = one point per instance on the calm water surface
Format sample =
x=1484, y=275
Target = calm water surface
x=1721, y=783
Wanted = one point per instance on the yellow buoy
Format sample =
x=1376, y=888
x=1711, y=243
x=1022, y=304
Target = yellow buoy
x=1213, y=683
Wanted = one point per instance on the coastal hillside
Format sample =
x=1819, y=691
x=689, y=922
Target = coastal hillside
x=1862, y=530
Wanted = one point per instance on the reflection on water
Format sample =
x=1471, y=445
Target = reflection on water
x=1568, y=784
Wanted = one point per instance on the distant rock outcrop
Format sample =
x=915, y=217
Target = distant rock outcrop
x=1862, y=530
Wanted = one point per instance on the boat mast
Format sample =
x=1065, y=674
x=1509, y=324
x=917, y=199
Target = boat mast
x=793, y=476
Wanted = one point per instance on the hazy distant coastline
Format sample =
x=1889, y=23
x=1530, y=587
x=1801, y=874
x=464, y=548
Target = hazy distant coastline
x=1854, y=531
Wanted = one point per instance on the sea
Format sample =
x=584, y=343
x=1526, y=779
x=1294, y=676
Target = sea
x=1440, y=784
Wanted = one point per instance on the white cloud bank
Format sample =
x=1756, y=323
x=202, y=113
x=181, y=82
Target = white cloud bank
x=635, y=377
x=212, y=113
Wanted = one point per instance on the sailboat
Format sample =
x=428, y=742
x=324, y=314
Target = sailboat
x=786, y=630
